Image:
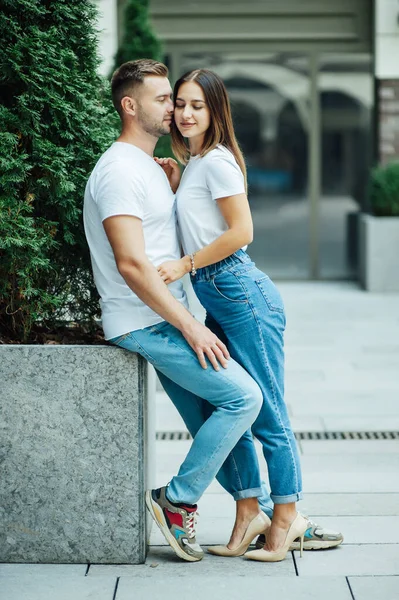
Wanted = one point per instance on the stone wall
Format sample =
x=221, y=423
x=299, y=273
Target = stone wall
x=74, y=445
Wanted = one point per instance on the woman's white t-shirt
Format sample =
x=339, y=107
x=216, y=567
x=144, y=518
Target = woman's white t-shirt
x=205, y=180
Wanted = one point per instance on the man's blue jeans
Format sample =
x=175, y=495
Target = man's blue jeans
x=232, y=393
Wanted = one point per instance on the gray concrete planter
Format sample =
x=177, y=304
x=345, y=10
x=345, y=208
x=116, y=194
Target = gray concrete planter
x=379, y=253
x=74, y=441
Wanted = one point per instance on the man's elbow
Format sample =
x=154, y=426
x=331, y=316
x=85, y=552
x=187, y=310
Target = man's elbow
x=131, y=268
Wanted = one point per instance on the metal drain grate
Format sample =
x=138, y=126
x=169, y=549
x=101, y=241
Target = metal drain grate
x=302, y=435
x=173, y=436
x=347, y=435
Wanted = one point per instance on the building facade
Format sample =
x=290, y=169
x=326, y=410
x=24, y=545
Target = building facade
x=313, y=87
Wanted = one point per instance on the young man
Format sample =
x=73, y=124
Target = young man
x=129, y=218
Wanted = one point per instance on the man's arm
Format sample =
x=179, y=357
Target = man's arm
x=125, y=234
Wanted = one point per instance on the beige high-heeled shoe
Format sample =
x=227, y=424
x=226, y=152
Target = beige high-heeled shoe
x=296, y=530
x=260, y=524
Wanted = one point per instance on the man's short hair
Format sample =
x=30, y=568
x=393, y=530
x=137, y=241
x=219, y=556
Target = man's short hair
x=131, y=75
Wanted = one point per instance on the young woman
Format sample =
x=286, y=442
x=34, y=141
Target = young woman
x=243, y=305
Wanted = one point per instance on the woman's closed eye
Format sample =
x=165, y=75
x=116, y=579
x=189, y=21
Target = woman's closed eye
x=193, y=107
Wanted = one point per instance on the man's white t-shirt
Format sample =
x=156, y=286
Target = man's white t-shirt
x=127, y=181
x=205, y=179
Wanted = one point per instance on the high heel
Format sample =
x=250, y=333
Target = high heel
x=260, y=524
x=296, y=530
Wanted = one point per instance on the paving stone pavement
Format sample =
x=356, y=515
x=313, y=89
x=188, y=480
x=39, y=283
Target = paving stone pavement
x=342, y=359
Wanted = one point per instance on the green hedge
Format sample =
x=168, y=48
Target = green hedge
x=54, y=124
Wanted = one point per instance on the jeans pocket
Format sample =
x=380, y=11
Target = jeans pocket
x=119, y=339
x=271, y=294
x=229, y=287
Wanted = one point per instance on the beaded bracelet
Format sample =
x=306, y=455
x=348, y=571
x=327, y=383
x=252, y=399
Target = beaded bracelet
x=193, y=269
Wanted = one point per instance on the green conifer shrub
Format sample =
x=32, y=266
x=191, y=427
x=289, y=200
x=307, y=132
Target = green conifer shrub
x=139, y=41
x=384, y=190
x=56, y=119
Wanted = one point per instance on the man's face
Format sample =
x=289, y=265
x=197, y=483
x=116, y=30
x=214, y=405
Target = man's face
x=155, y=106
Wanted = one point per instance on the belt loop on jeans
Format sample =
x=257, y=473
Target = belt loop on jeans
x=207, y=273
x=238, y=254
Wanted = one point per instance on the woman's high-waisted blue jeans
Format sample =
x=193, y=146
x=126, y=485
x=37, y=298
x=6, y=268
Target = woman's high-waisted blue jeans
x=245, y=309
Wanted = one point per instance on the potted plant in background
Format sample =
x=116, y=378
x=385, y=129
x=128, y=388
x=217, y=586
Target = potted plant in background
x=379, y=239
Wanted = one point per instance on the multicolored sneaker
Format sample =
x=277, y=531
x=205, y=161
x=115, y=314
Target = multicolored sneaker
x=177, y=523
x=316, y=538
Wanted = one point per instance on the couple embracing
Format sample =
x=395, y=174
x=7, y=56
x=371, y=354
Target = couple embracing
x=226, y=378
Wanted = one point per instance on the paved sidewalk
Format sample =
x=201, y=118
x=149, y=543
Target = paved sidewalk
x=342, y=348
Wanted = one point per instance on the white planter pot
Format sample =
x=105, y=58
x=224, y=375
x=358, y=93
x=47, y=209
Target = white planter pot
x=379, y=253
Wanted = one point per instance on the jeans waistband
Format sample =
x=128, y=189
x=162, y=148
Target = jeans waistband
x=206, y=273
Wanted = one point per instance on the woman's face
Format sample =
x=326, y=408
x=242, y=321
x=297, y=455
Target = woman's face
x=192, y=115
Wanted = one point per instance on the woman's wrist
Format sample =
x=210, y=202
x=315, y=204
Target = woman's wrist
x=186, y=260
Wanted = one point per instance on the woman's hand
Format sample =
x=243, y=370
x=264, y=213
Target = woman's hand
x=172, y=170
x=172, y=270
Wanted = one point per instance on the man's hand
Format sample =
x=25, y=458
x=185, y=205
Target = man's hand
x=172, y=170
x=126, y=237
x=206, y=344
x=172, y=270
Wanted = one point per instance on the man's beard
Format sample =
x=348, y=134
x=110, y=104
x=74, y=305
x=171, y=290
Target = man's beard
x=149, y=125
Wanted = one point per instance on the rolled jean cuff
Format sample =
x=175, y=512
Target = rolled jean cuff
x=252, y=493
x=286, y=499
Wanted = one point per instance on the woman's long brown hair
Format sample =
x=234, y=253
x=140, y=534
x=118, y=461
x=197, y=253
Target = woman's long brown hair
x=221, y=130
